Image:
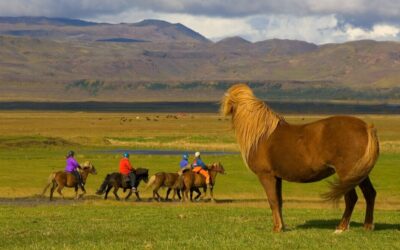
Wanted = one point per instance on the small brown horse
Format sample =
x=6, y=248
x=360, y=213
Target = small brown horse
x=163, y=179
x=191, y=180
x=276, y=150
x=63, y=179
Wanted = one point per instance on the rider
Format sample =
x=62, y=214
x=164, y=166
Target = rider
x=126, y=168
x=200, y=167
x=184, y=164
x=72, y=166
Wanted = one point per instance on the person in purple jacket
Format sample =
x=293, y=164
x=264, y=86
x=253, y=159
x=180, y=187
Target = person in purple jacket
x=72, y=167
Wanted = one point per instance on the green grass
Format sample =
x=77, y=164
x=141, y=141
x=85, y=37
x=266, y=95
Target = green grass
x=142, y=226
x=241, y=217
x=31, y=166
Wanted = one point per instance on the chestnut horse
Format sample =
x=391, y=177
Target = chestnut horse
x=163, y=179
x=117, y=181
x=63, y=179
x=192, y=181
x=276, y=150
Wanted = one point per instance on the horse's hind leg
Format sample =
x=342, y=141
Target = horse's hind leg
x=59, y=191
x=156, y=194
x=350, y=199
x=198, y=193
x=53, y=187
x=168, y=191
x=115, y=193
x=185, y=194
x=107, y=191
x=369, y=195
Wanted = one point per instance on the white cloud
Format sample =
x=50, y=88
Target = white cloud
x=378, y=32
x=316, y=29
x=318, y=21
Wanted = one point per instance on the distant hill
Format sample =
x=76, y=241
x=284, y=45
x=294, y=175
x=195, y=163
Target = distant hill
x=73, y=60
x=78, y=30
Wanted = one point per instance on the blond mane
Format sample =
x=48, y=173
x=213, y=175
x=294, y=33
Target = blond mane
x=252, y=119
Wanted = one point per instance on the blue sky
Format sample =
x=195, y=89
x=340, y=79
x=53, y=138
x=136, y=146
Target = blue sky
x=317, y=21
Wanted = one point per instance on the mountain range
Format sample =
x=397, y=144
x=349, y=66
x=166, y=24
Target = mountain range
x=59, y=59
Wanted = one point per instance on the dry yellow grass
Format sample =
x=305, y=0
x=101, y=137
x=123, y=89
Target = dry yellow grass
x=190, y=131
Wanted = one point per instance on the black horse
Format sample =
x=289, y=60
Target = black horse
x=116, y=180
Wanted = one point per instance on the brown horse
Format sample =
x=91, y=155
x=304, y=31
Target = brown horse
x=192, y=181
x=274, y=150
x=162, y=179
x=63, y=179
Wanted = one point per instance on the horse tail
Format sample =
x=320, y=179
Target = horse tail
x=360, y=171
x=150, y=182
x=49, y=181
x=104, y=185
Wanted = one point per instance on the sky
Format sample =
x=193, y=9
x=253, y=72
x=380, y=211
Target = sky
x=316, y=21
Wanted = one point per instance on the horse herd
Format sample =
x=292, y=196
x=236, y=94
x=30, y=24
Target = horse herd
x=185, y=183
x=275, y=150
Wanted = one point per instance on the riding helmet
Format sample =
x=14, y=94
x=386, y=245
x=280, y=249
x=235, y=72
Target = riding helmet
x=126, y=155
x=70, y=153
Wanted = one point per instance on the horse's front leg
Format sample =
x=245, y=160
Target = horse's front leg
x=137, y=196
x=211, y=192
x=273, y=188
x=80, y=195
x=129, y=194
x=83, y=192
x=76, y=193
x=178, y=192
x=204, y=194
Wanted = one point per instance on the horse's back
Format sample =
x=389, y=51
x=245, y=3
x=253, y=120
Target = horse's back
x=317, y=149
x=322, y=136
x=171, y=179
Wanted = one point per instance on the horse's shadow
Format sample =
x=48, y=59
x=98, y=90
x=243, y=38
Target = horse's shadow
x=330, y=224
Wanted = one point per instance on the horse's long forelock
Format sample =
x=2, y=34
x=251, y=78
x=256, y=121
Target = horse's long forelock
x=252, y=119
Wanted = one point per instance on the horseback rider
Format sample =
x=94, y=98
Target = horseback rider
x=72, y=166
x=125, y=168
x=184, y=164
x=200, y=167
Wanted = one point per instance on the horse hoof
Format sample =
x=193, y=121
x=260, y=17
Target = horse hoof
x=369, y=227
x=338, y=231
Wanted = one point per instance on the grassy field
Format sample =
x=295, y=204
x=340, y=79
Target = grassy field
x=33, y=144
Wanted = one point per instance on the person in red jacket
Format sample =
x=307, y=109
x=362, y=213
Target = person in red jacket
x=125, y=168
